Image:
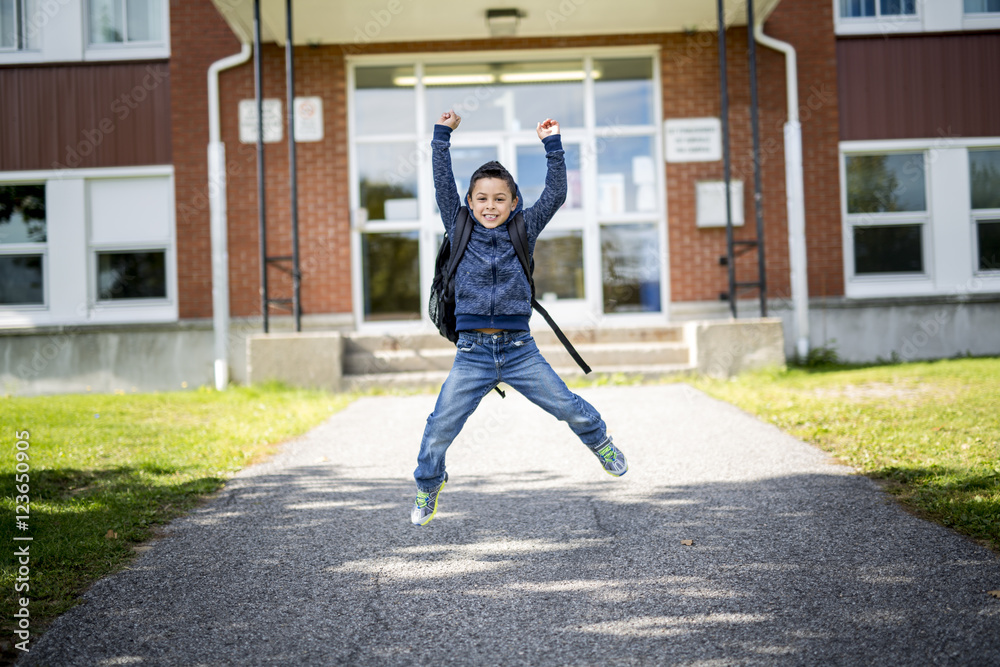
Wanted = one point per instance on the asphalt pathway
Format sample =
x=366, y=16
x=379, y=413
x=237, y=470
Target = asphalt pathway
x=537, y=557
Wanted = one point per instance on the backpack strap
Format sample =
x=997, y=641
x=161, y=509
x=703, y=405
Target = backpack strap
x=463, y=232
x=519, y=237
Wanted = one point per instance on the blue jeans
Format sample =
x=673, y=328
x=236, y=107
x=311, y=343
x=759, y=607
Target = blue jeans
x=481, y=362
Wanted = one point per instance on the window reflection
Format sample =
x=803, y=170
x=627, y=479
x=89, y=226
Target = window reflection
x=470, y=90
x=984, y=174
x=895, y=249
x=391, y=276
x=21, y=280
x=623, y=91
x=131, y=275
x=885, y=183
x=507, y=96
x=626, y=175
x=144, y=20
x=388, y=181
x=22, y=214
x=559, y=265
x=631, y=268
x=531, y=170
x=384, y=100
x=988, y=244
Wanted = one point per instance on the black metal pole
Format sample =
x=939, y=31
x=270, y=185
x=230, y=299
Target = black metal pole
x=290, y=90
x=757, y=196
x=730, y=263
x=258, y=79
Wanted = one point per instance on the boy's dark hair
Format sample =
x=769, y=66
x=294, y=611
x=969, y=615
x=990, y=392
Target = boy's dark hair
x=492, y=169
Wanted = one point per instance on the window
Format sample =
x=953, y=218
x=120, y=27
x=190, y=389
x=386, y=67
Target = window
x=630, y=255
x=391, y=276
x=131, y=275
x=126, y=22
x=23, y=245
x=607, y=106
x=129, y=251
x=887, y=211
x=982, y=6
x=18, y=30
x=877, y=8
x=984, y=186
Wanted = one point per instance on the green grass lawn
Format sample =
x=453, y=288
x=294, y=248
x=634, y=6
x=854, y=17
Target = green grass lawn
x=125, y=464
x=929, y=431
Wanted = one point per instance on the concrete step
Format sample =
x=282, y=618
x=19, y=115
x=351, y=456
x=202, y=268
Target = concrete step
x=440, y=359
x=434, y=379
x=359, y=342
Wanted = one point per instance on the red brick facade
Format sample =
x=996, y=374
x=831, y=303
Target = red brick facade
x=808, y=26
x=198, y=37
x=690, y=77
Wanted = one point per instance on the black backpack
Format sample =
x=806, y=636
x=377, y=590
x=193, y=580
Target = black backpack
x=442, y=303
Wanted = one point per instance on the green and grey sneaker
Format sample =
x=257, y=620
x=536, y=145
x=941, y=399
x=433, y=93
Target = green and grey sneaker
x=426, y=505
x=611, y=458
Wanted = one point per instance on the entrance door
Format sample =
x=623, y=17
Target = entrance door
x=602, y=256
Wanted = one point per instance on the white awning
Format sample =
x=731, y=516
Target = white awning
x=363, y=21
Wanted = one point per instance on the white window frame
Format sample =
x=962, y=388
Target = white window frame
x=944, y=245
x=21, y=8
x=593, y=284
x=888, y=283
x=127, y=50
x=979, y=20
x=879, y=24
x=982, y=215
x=73, y=302
x=22, y=249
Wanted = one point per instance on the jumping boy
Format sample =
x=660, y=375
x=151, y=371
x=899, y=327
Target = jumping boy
x=492, y=308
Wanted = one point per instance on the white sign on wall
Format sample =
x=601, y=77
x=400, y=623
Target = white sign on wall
x=308, y=119
x=711, y=203
x=693, y=139
x=272, y=122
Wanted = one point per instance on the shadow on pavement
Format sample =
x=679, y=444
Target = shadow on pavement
x=309, y=566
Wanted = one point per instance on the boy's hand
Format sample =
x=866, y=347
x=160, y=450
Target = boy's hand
x=547, y=128
x=451, y=119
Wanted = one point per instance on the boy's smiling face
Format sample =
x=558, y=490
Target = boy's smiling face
x=491, y=202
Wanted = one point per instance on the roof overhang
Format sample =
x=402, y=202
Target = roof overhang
x=365, y=21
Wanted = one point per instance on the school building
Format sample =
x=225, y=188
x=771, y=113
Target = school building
x=130, y=208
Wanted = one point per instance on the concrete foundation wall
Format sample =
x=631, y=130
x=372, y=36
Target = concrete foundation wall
x=860, y=331
x=908, y=331
x=105, y=361
x=313, y=360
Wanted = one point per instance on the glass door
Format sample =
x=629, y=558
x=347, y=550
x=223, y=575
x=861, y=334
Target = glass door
x=601, y=257
x=560, y=284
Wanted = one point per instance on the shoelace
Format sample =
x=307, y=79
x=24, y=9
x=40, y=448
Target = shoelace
x=422, y=499
x=608, y=454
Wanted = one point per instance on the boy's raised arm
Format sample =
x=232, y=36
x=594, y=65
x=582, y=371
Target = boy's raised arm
x=554, y=193
x=445, y=190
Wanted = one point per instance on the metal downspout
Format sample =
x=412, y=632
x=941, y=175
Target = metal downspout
x=795, y=193
x=218, y=215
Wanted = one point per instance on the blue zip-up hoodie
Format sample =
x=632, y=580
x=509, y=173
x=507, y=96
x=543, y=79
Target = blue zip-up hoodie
x=491, y=289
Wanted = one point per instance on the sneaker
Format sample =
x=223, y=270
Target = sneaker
x=612, y=459
x=426, y=505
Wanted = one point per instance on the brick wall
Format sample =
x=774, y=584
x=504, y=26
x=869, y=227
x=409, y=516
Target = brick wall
x=690, y=76
x=198, y=37
x=808, y=26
